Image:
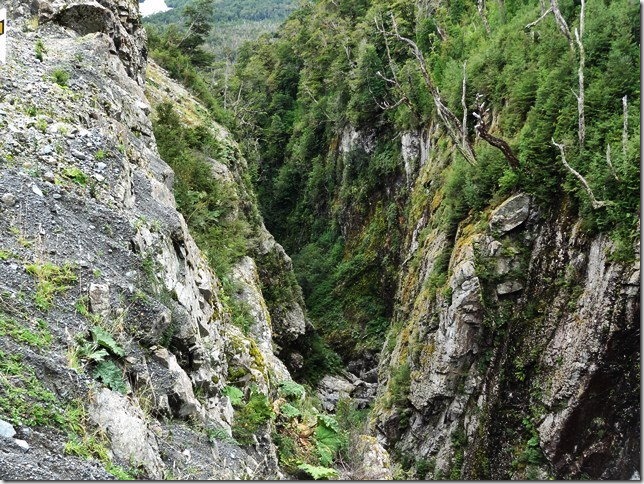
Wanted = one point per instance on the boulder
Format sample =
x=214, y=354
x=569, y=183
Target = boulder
x=511, y=213
x=6, y=429
x=99, y=299
x=130, y=439
x=374, y=462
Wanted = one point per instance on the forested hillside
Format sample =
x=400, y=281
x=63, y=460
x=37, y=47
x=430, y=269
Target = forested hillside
x=497, y=73
x=386, y=136
x=380, y=240
x=234, y=22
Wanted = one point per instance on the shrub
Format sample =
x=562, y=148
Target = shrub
x=40, y=49
x=60, y=76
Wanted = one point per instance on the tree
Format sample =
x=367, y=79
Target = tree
x=198, y=24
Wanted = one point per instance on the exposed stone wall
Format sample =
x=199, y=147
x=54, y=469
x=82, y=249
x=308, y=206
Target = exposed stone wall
x=506, y=360
x=83, y=187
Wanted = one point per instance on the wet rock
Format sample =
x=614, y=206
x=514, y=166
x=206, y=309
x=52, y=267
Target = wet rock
x=511, y=213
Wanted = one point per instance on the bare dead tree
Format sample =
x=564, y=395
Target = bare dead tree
x=481, y=7
x=594, y=202
x=578, y=36
x=561, y=23
x=580, y=73
x=463, y=102
x=450, y=122
x=625, y=129
x=482, y=130
x=610, y=163
x=393, y=81
x=544, y=15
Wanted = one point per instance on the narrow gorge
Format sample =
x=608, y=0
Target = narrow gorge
x=384, y=240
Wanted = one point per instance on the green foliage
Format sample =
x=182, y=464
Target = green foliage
x=40, y=50
x=318, y=472
x=205, y=201
x=234, y=394
x=102, y=338
x=76, y=175
x=303, y=88
x=52, y=279
x=39, y=337
x=99, y=350
x=329, y=440
x=399, y=386
x=289, y=411
x=111, y=376
x=251, y=416
x=23, y=398
x=60, y=76
x=291, y=390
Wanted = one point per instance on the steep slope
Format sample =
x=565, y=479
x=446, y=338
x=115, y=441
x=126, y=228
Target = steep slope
x=458, y=218
x=120, y=353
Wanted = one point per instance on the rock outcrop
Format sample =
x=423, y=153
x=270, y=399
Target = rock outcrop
x=136, y=344
x=533, y=319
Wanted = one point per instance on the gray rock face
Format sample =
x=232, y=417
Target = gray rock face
x=247, y=278
x=375, y=464
x=561, y=308
x=118, y=20
x=511, y=213
x=131, y=440
x=113, y=223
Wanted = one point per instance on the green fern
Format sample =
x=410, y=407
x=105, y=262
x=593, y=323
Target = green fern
x=289, y=411
x=329, y=439
x=318, y=472
x=234, y=394
x=292, y=390
x=104, y=339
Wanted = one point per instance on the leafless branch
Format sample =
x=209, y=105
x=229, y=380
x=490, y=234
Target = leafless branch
x=625, y=129
x=610, y=163
x=595, y=203
x=532, y=24
x=463, y=102
x=481, y=7
x=482, y=129
x=561, y=22
x=450, y=121
x=582, y=62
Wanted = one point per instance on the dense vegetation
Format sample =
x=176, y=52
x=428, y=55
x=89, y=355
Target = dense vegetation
x=229, y=24
x=334, y=67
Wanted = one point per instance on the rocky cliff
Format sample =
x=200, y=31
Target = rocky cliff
x=116, y=347
x=523, y=360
